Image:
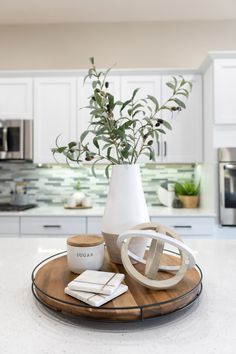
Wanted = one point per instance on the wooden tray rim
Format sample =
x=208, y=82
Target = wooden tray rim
x=112, y=322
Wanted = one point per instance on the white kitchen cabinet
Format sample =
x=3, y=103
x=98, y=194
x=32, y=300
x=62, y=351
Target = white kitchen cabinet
x=57, y=101
x=84, y=92
x=54, y=115
x=53, y=225
x=16, y=97
x=148, y=85
x=219, y=81
x=188, y=225
x=94, y=224
x=9, y=226
x=65, y=226
x=224, y=91
x=181, y=145
x=184, y=143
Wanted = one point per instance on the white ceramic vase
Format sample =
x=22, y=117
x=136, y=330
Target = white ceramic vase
x=125, y=208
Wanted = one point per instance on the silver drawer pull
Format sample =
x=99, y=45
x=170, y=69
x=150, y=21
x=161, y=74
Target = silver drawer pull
x=182, y=226
x=52, y=226
x=165, y=148
x=158, y=148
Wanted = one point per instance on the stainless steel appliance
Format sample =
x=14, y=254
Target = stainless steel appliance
x=227, y=185
x=16, y=139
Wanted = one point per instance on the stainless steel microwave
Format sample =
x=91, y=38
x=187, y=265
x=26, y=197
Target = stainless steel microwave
x=16, y=139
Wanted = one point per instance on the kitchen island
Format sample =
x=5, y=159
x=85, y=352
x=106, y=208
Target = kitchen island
x=208, y=326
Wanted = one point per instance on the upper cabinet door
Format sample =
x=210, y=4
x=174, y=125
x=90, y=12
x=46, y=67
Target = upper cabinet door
x=224, y=89
x=16, y=98
x=84, y=92
x=148, y=85
x=54, y=114
x=183, y=144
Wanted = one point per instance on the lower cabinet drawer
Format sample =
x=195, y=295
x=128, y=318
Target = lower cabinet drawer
x=188, y=226
x=53, y=225
x=9, y=225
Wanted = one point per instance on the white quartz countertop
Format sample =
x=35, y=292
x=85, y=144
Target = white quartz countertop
x=98, y=211
x=206, y=327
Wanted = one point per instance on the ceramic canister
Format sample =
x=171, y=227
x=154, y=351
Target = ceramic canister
x=85, y=252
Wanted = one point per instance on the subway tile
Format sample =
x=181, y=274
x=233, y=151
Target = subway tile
x=54, y=184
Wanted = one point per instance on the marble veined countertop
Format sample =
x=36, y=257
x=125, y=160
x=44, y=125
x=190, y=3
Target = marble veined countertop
x=27, y=327
x=98, y=211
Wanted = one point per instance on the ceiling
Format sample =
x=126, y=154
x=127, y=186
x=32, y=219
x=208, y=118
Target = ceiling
x=81, y=11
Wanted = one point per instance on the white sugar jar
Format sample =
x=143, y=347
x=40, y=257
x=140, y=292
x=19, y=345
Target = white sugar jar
x=85, y=252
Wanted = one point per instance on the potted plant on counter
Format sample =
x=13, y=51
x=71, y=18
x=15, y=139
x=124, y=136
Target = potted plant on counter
x=119, y=133
x=188, y=193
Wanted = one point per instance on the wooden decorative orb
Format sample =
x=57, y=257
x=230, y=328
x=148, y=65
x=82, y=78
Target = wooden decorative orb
x=159, y=235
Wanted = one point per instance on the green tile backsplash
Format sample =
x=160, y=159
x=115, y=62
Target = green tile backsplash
x=54, y=184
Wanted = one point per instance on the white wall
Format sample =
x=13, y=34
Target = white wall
x=68, y=46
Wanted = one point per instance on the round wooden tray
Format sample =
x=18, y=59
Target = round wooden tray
x=51, y=276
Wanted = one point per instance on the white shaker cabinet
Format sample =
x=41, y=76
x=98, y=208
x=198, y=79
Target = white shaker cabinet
x=224, y=91
x=188, y=226
x=219, y=81
x=147, y=84
x=54, y=115
x=9, y=226
x=58, y=110
x=53, y=225
x=183, y=144
x=16, y=97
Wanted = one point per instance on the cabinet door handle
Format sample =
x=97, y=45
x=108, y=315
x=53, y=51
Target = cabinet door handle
x=229, y=167
x=165, y=148
x=52, y=226
x=158, y=148
x=182, y=226
x=4, y=135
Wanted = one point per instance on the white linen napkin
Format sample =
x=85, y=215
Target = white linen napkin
x=96, y=299
x=98, y=282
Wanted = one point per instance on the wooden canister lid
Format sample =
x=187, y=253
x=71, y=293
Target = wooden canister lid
x=85, y=240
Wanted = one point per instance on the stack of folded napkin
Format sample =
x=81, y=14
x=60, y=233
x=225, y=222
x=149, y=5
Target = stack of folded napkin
x=96, y=288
